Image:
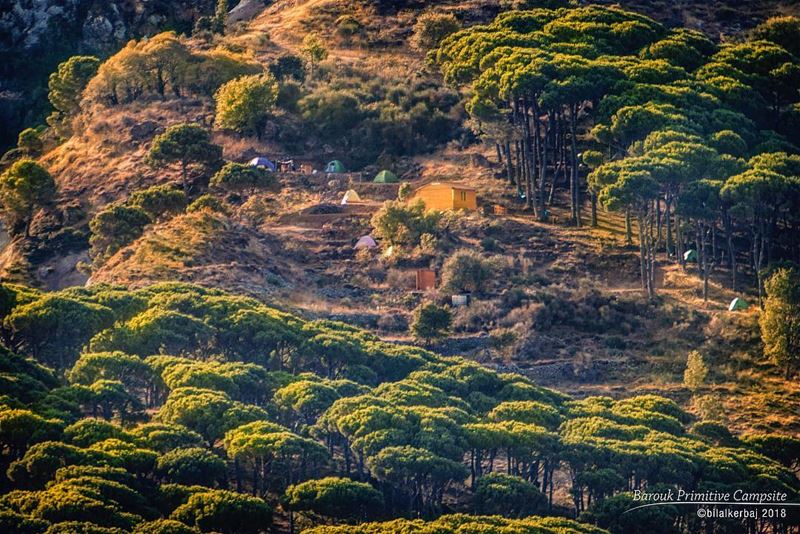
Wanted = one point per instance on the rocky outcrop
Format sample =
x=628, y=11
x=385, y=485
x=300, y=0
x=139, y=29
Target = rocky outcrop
x=245, y=10
x=91, y=26
x=36, y=35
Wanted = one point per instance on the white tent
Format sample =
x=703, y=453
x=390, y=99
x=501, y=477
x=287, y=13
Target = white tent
x=350, y=197
x=365, y=242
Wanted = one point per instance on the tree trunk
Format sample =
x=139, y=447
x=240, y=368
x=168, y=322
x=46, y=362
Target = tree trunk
x=703, y=257
x=628, y=227
x=544, y=158
x=185, y=175
x=576, y=208
x=679, y=240
x=509, y=163
x=642, y=254
x=659, y=225
x=538, y=177
x=528, y=149
x=668, y=216
x=726, y=220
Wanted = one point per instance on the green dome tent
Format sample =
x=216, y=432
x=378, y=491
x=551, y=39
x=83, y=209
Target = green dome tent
x=690, y=255
x=335, y=166
x=738, y=304
x=385, y=177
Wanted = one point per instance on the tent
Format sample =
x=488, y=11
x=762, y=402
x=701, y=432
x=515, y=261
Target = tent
x=365, y=241
x=335, y=166
x=350, y=197
x=386, y=177
x=690, y=255
x=738, y=304
x=262, y=161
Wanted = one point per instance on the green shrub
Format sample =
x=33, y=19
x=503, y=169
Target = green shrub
x=431, y=322
x=158, y=201
x=244, y=104
x=240, y=177
x=467, y=272
x=207, y=202
x=30, y=141
x=399, y=224
x=114, y=228
x=431, y=28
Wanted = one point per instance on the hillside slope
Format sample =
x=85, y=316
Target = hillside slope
x=270, y=246
x=227, y=307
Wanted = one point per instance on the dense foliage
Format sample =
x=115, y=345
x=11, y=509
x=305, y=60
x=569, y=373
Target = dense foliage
x=695, y=140
x=163, y=65
x=180, y=409
x=185, y=409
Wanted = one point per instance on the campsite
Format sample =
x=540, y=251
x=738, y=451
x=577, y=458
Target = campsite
x=306, y=266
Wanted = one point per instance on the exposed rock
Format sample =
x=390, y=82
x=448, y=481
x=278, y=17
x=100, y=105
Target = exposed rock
x=245, y=10
x=98, y=26
x=36, y=35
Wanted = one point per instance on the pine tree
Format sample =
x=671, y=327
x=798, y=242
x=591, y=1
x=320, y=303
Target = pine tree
x=696, y=371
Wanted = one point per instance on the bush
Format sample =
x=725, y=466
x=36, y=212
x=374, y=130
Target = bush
x=467, y=272
x=431, y=322
x=30, y=141
x=164, y=526
x=347, y=27
x=207, y=202
x=696, y=371
x=243, y=104
x=716, y=433
x=158, y=201
x=289, y=94
x=431, y=28
x=288, y=66
x=393, y=322
x=399, y=224
x=524, y=5
x=332, y=112
x=114, y=228
x=404, y=191
x=240, y=177
x=478, y=315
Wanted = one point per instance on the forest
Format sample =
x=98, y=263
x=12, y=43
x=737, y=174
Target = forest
x=696, y=141
x=176, y=408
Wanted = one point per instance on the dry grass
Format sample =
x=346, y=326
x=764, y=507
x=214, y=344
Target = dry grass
x=105, y=163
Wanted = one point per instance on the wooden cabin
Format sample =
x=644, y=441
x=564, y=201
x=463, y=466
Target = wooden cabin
x=446, y=196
